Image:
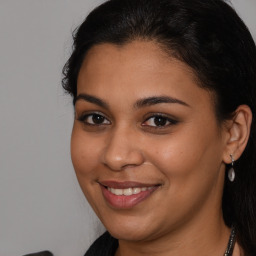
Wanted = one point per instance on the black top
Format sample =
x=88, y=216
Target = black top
x=44, y=253
x=105, y=245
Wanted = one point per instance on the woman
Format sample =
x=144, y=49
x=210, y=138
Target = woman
x=163, y=142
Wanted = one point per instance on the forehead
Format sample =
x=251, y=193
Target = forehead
x=142, y=54
x=139, y=57
x=138, y=69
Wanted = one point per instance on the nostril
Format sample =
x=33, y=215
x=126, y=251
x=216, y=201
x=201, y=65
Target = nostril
x=122, y=158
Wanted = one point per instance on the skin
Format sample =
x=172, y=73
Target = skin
x=186, y=155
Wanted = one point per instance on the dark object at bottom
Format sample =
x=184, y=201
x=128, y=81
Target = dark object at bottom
x=44, y=253
x=105, y=245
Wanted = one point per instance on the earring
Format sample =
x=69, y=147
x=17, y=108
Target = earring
x=231, y=171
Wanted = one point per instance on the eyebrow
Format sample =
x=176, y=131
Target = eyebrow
x=158, y=100
x=150, y=101
x=91, y=99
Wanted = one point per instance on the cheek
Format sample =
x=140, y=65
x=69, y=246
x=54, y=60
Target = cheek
x=189, y=157
x=85, y=159
x=84, y=153
x=191, y=173
x=172, y=160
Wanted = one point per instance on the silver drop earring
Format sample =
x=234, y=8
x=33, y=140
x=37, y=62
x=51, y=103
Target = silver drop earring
x=231, y=171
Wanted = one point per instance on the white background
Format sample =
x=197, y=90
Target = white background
x=41, y=205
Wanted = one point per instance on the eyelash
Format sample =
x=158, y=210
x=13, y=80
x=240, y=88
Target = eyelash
x=165, y=119
x=84, y=119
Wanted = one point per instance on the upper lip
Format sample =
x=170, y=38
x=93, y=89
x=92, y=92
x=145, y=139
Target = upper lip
x=125, y=184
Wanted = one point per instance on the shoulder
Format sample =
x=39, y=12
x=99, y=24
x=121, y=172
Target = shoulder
x=105, y=245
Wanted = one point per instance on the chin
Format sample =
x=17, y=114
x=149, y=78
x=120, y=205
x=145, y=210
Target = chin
x=129, y=235
x=131, y=230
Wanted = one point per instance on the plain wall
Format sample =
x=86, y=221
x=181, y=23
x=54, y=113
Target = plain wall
x=41, y=204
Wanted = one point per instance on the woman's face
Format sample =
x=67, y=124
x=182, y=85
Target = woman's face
x=146, y=146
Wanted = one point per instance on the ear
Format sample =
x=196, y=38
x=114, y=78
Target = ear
x=237, y=133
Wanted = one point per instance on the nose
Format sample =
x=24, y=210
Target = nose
x=122, y=150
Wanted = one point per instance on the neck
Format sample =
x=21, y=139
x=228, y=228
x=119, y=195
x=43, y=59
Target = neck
x=209, y=239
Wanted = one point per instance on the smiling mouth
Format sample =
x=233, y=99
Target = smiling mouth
x=125, y=195
x=128, y=191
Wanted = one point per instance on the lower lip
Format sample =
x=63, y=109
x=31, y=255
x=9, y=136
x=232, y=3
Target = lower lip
x=126, y=202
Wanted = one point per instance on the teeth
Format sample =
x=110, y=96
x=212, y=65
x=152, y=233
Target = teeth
x=136, y=190
x=118, y=192
x=127, y=191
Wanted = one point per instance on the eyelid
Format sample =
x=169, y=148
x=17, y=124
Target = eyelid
x=171, y=120
x=85, y=115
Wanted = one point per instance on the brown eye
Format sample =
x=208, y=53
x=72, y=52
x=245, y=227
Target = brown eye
x=159, y=121
x=97, y=119
x=94, y=119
